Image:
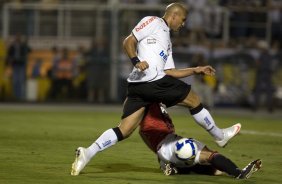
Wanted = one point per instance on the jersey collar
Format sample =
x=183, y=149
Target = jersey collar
x=165, y=23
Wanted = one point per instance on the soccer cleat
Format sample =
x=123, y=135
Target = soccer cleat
x=80, y=161
x=228, y=133
x=250, y=169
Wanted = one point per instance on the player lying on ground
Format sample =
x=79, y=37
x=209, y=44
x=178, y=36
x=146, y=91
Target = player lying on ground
x=157, y=131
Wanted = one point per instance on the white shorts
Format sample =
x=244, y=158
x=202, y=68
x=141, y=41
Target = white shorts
x=166, y=151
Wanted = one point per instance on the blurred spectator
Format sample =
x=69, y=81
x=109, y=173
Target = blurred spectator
x=56, y=57
x=97, y=59
x=264, y=73
x=64, y=72
x=201, y=83
x=34, y=74
x=17, y=58
x=51, y=72
x=5, y=73
x=80, y=79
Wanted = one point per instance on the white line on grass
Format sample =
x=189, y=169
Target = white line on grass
x=252, y=132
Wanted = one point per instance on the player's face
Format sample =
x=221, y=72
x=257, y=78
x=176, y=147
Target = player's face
x=179, y=21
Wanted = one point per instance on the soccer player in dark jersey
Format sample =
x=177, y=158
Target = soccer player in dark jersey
x=157, y=131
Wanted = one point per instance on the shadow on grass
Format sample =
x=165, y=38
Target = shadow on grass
x=123, y=167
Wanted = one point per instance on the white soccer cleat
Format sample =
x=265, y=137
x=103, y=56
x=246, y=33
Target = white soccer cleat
x=228, y=133
x=250, y=169
x=80, y=161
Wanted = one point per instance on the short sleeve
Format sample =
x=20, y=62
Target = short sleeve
x=145, y=27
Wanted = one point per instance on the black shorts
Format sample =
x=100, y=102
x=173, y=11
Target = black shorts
x=167, y=90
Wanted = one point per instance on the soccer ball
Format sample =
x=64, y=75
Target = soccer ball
x=185, y=149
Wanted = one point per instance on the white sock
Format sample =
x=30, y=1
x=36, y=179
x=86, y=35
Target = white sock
x=204, y=119
x=106, y=140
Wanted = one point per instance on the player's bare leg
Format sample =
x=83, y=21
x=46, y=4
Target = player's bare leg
x=130, y=123
x=222, y=163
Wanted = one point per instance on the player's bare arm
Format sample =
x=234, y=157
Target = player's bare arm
x=180, y=73
x=129, y=45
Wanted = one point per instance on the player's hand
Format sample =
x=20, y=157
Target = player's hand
x=143, y=65
x=206, y=70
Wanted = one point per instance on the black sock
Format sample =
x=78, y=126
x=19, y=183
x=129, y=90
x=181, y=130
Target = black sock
x=118, y=133
x=224, y=164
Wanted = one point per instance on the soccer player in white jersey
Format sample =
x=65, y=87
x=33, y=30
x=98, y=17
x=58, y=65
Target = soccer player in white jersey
x=157, y=131
x=155, y=79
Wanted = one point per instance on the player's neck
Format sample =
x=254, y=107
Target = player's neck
x=166, y=22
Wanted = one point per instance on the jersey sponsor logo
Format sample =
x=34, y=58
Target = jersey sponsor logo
x=151, y=41
x=144, y=24
x=163, y=55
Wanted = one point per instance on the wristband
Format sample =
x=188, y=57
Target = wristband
x=135, y=60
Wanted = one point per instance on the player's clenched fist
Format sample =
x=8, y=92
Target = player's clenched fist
x=207, y=70
x=143, y=65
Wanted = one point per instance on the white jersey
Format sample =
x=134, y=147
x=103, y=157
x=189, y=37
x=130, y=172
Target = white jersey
x=154, y=47
x=166, y=152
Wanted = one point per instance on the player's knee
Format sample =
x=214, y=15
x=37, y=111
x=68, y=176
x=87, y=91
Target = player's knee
x=192, y=100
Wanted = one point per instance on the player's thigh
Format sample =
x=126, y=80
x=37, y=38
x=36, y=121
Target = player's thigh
x=192, y=100
x=205, y=155
x=131, y=122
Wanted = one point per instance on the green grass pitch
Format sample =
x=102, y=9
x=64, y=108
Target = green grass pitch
x=37, y=146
